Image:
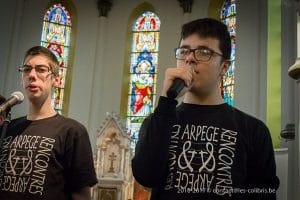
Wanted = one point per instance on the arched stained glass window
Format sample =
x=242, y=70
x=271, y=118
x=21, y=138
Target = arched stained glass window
x=143, y=70
x=228, y=16
x=56, y=37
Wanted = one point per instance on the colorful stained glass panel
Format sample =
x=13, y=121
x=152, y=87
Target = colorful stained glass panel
x=56, y=35
x=142, y=70
x=148, y=21
x=228, y=16
x=145, y=41
x=143, y=62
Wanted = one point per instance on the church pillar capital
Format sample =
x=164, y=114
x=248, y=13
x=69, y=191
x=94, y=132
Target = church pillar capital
x=294, y=70
x=186, y=5
x=104, y=6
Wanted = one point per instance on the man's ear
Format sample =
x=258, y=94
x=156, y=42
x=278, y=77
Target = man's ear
x=225, y=67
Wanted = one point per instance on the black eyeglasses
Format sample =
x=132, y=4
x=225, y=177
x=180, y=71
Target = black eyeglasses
x=203, y=54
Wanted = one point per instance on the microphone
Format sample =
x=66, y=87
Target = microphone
x=16, y=98
x=176, y=87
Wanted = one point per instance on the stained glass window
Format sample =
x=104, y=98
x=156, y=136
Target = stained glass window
x=56, y=37
x=228, y=16
x=143, y=70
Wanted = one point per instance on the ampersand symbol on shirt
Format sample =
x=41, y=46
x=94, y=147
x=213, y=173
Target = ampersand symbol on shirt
x=210, y=151
x=27, y=163
x=191, y=154
x=12, y=162
x=19, y=162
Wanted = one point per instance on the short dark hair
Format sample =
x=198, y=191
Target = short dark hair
x=40, y=50
x=208, y=27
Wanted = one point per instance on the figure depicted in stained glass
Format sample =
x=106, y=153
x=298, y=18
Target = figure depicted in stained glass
x=145, y=41
x=56, y=49
x=142, y=89
x=56, y=34
x=147, y=22
x=57, y=16
x=144, y=53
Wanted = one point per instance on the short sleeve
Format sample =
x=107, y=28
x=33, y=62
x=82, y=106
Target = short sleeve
x=78, y=159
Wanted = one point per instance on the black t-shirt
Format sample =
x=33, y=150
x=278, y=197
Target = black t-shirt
x=45, y=159
x=204, y=151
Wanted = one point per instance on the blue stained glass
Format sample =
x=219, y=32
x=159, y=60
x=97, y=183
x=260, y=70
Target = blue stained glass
x=57, y=15
x=228, y=16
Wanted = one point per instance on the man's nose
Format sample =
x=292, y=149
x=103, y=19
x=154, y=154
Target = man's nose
x=32, y=73
x=190, y=58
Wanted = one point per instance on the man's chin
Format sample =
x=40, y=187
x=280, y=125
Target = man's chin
x=33, y=97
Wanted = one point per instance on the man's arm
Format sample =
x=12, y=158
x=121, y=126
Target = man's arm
x=263, y=166
x=150, y=162
x=78, y=162
x=82, y=194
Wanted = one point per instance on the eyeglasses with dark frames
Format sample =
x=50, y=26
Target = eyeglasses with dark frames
x=203, y=54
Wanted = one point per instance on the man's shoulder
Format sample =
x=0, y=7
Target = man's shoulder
x=18, y=121
x=246, y=117
x=70, y=122
x=17, y=125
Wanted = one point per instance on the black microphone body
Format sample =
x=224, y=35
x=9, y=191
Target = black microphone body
x=16, y=98
x=176, y=87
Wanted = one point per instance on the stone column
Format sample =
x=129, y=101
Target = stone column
x=99, y=70
x=98, y=77
x=104, y=6
x=98, y=162
x=123, y=164
x=294, y=72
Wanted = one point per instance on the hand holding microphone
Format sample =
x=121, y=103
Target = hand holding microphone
x=176, y=87
x=176, y=79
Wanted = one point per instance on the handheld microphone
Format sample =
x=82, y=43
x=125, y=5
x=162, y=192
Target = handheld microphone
x=176, y=87
x=16, y=98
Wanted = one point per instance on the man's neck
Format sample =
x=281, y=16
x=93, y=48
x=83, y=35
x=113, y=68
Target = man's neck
x=200, y=99
x=40, y=111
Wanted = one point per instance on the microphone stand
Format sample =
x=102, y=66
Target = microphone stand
x=4, y=128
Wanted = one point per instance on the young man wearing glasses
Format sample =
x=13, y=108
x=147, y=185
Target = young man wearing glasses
x=45, y=155
x=204, y=148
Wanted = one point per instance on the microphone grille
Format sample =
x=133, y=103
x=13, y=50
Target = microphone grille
x=19, y=96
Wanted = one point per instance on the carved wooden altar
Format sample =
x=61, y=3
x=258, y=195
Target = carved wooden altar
x=113, y=161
